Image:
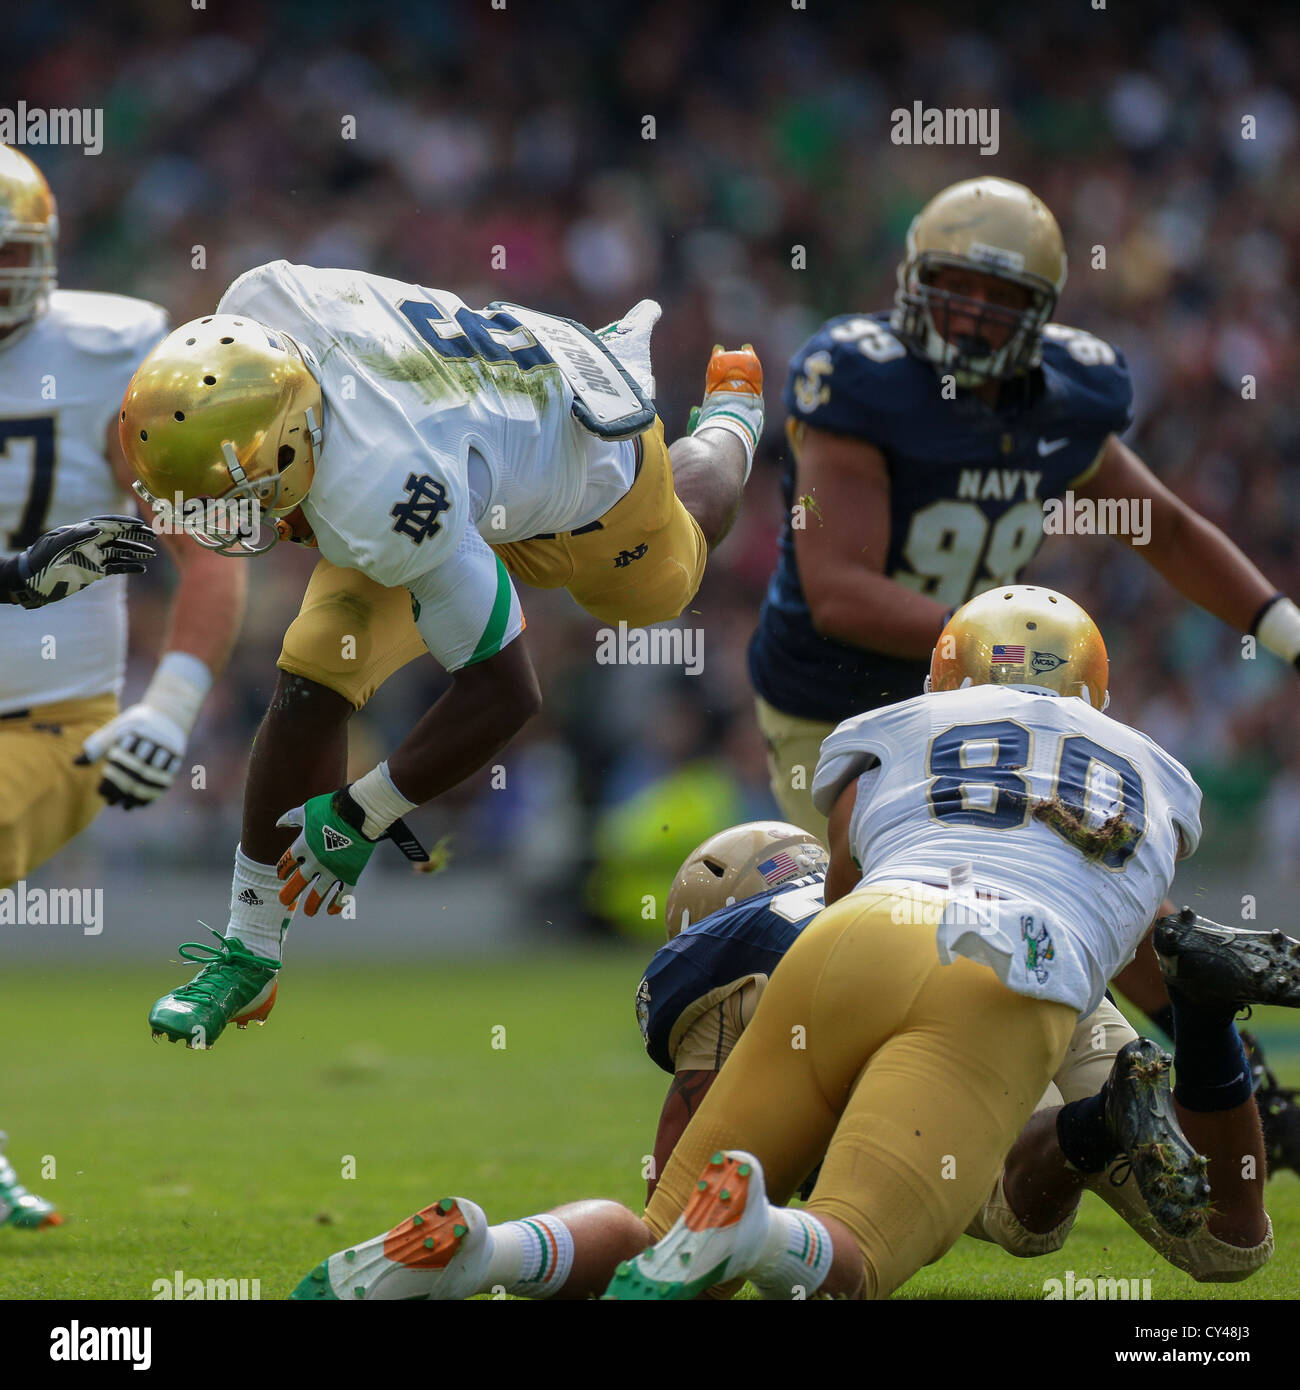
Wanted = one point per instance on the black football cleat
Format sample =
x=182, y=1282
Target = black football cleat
x=1170, y=1174
x=1279, y=1112
x=1213, y=964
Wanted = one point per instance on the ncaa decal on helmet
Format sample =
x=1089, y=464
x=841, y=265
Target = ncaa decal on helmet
x=992, y=227
x=28, y=217
x=1020, y=634
x=229, y=410
x=738, y=863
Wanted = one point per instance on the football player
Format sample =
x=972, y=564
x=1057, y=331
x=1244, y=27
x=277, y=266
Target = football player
x=65, y=750
x=728, y=930
x=431, y=452
x=912, y=1027
x=60, y=563
x=924, y=443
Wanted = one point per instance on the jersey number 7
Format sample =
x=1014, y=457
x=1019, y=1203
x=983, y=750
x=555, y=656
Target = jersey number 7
x=39, y=433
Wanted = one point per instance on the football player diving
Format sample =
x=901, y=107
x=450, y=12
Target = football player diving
x=433, y=454
x=65, y=750
x=997, y=850
x=924, y=443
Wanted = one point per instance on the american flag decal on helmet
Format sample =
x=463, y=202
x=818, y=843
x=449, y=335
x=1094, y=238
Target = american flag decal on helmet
x=777, y=869
x=1008, y=656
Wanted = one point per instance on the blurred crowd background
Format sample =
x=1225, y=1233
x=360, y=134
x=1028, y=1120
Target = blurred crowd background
x=524, y=128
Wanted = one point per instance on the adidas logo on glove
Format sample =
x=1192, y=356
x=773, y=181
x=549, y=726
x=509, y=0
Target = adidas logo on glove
x=333, y=839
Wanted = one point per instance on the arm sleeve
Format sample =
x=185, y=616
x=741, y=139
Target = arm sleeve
x=466, y=609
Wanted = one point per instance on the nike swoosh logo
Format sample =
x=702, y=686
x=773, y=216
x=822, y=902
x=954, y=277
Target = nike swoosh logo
x=1045, y=448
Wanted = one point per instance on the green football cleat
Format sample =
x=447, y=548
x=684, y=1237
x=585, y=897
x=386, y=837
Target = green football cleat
x=234, y=984
x=23, y=1210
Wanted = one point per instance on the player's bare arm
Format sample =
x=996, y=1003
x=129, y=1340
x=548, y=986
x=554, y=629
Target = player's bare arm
x=687, y=1089
x=1189, y=551
x=144, y=744
x=844, y=872
x=843, y=486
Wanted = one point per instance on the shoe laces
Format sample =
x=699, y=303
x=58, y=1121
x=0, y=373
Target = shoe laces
x=216, y=961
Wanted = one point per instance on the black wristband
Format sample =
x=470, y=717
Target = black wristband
x=1263, y=608
x=348, y=808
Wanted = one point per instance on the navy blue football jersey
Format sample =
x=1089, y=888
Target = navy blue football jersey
x=747, y=938
x=967, y=486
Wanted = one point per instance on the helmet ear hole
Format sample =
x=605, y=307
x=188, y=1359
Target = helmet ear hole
x=285, y=457
x=716, y=869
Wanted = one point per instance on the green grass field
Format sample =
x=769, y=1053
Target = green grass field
x=230, y=1164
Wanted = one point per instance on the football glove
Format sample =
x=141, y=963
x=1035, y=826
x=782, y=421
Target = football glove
x=146, y=742
x=70, y=558
x=329, y=854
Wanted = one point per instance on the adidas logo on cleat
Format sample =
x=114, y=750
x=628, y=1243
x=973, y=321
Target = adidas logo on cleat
x=333, y=839
x=249, y=898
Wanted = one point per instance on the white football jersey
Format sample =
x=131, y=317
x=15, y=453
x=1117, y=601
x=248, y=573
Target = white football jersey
x=62, y=379
x=439, y=424
x=1009, y=781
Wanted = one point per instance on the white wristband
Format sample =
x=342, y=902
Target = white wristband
x=178, y=688
x=1279, y=629
x=380, y=800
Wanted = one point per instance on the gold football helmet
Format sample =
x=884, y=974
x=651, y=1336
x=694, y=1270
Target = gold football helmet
x=1022, y=635
x=738, y=863
x=994, y=227
x=27, y=217
x=224, y=410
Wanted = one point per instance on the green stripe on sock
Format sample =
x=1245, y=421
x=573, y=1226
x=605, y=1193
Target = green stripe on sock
x=731, y=415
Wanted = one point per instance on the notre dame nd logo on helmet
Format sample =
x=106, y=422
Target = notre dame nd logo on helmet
x=417, y=517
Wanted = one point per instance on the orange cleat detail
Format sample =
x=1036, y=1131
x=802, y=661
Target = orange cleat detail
x=720, y=1196
x=428, y=1239
x=739, y=371
x=259, y=1014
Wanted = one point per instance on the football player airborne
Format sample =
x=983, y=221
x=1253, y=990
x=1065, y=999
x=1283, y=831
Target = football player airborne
x=996, y=852
x=923, y=446
x=65, y=750
x=431, y=452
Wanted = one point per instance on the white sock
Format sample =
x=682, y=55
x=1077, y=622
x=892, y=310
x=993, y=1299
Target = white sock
x=797, y=1257
x=739, y=414
x=257, y=916
x=530, y=1258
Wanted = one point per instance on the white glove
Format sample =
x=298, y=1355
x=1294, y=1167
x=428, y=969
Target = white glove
x=145, y=743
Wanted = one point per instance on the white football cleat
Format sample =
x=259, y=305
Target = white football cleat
x=442, y=1252
x=720, y=1236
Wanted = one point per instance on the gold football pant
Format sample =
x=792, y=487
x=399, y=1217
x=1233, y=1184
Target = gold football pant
x=913, y=1078
x=793, y=747
x=641, y=563
x=45, y=798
